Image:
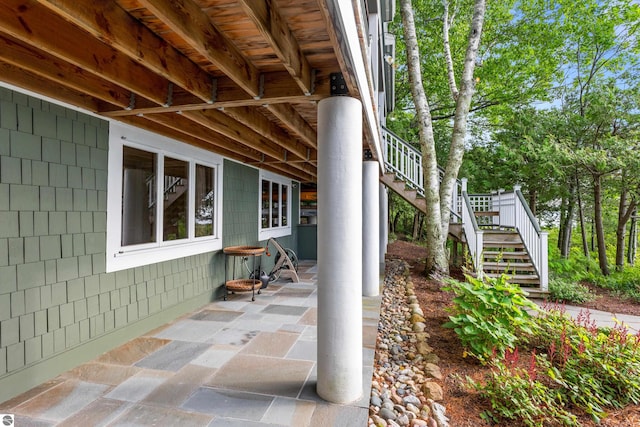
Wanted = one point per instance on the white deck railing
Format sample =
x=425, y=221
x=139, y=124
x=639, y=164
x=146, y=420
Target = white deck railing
x=406, y=162
x=403, y=160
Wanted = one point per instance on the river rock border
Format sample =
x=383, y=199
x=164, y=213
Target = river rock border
x=405, y=389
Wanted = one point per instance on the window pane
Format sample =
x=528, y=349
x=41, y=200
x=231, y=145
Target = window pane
x=205, y=206
x=176, y=199
x=138, y=196
x=265, y=204
x=275, y=196
x=285, y=193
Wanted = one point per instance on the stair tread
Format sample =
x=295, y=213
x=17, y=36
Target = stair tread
x=486, y=213
x=515, y=265
x=505, y=254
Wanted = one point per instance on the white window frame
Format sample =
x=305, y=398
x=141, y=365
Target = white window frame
x=280, y=231
x=121, y=257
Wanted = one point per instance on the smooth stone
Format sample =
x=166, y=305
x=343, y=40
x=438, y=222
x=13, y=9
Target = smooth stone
x=387, y=414
x=412, y=400
x=378, y=421
x=375, y=401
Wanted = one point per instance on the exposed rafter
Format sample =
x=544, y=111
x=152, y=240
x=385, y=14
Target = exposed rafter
x=192, y=24
x=31, y=59
x=292, y=120
x=238, y=77
x=266, y=17
x=253, y=119
x=39, y=27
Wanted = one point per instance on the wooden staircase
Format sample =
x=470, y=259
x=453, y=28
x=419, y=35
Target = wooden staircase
x=500, y=247
x=504, y=252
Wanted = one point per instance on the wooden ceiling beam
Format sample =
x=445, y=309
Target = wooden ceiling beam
x=228, y=95
x=225, y=125
x=266, y=16
x=110, y=23
x=211, y=140
x=60, y=72
x=31, y=23
x=252, y=118
x=192, y=24
x=296, y=123
x=51, y=88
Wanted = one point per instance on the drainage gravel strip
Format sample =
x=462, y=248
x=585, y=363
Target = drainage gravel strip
x=406, y=378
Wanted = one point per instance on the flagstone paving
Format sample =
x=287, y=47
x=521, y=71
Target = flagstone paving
x=233, y=363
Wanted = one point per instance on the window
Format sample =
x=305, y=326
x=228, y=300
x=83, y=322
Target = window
x=275, y=210
x=164, y=199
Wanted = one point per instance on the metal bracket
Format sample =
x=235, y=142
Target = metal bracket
x=313, y=83
x=169, y=95
x=368, y=155
x=214, y=91
x=132, y=102
x=338, y=85
x=260, y=88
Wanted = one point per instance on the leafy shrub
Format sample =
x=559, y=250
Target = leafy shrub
x=568, y=291
x=579, y=366
x=600, y=367
x=489, y=315
x=624, y=283
x=516, y=393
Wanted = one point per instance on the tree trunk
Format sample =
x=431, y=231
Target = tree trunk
x=565, y=245
x=438, y=195
x=624, y=214
x=416, y=225
x=436, y=260
x=463, y=104
x=562, y=226
x=533, y=200
x=597, y=218
x=633, y=237
x=583, y=226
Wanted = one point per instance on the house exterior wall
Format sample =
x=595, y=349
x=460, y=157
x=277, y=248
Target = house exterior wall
x=58, y=305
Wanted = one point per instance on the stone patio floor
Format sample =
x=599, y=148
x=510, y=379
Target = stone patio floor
x=233, y=363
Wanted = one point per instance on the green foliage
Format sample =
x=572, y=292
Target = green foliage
x=568, y=291
x=516, y=394
x=624, y=283
x=568, y=273
x=574, y=367
x=489, y=315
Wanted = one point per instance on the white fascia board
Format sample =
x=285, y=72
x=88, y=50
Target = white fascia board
x=346, y=14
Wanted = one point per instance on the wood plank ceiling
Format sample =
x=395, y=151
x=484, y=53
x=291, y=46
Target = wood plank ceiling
x=239, y=77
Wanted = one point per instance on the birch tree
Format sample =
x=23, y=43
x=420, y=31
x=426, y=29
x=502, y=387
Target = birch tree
x=438, y=195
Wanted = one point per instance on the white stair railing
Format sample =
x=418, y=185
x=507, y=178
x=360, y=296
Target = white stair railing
x=513, y=212
x=473, y=233
x=534, y=238
x=170, y=185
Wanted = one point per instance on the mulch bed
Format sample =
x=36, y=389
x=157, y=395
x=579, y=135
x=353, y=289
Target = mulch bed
x=464, y=406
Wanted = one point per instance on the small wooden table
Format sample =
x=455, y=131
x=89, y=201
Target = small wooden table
x=252, y=283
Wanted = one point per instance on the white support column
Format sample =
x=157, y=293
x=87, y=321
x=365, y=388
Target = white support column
x=370, y=229
x=339, y=249
x=384, y=225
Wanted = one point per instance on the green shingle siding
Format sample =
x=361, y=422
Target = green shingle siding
x=55, y=293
